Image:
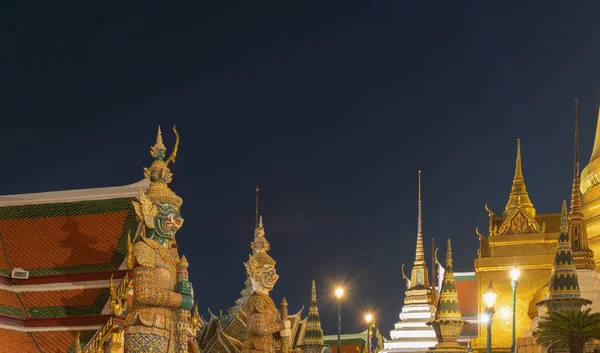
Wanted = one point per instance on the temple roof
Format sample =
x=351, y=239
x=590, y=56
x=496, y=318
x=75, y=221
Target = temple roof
x=41, y=342
x=467, y=289
x=66, y=232
x=53, y=304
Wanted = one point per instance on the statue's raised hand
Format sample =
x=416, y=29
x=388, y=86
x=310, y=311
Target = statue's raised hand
x=184, y=288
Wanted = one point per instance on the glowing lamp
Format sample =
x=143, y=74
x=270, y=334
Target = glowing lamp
x=490, y=296
x=368, y=318
x=515, y=273
x=339, y=292
x=485, y=318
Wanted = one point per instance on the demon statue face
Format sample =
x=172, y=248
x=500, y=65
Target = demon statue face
x=260, y=268
x=161, y=220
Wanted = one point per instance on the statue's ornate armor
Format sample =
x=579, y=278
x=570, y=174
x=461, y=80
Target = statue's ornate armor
x=158, y=321
x=151, y=326
x=263, y=323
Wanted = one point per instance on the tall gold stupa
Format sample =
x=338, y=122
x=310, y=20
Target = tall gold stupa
x=590, y=181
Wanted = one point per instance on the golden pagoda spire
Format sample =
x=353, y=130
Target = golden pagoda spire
x=420, y=252
x=575, y=189
x=519, y=198
x=419, y=277
x=583, y=256
x=596, y=150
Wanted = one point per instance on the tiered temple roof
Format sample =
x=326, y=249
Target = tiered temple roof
x=70, y=243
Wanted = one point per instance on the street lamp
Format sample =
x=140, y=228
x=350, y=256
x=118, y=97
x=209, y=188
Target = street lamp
x=489, y=298
x=514, y=276
x=339, y=292
x=369, y=319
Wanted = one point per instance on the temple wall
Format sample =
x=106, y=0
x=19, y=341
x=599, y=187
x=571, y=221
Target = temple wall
x=535, y=273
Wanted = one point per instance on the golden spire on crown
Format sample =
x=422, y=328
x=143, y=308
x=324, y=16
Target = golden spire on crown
x=260, y=245
x=159, y=173
x=519, y=198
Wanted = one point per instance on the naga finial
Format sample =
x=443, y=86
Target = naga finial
x=175, y=149
x=490, y=212
x=129, y=252
x=78, y=343
x=405, y=278
x=479, y=233
x=115, y=302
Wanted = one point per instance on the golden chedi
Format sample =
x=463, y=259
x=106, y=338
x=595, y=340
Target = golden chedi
x=590, y=188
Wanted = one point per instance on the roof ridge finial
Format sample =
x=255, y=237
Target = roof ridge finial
x=575, y=189
x=518, y=193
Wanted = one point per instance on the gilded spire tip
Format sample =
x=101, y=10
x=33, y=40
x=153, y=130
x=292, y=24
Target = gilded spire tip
x=576, y=187
x=519, y=198
x=564, y=224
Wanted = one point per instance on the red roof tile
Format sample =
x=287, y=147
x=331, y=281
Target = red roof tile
x=10, y=305
x=9, y=299
x=20, y=342
x=73, y=237
x=4, y=265
x=467, y=297
x=75, y=297
x=55, y=341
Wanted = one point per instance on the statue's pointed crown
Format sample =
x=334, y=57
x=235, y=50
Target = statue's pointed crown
x=159, y=173
x=260, y=246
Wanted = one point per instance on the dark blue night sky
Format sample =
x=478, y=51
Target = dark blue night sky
x=331, y=107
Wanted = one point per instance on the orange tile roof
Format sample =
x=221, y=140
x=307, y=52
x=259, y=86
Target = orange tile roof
x=467, y=297
x=348, y=348
x=74, y=297
x=71, y=237
x=48, y=341
x=21, y=342
x=10, y=305
x=55, y=341
x=9, y=299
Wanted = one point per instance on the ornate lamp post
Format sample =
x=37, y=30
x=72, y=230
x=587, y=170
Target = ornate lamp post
x=514, y=275
x=339, y=292
x=490, y=299
x=369, y=320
